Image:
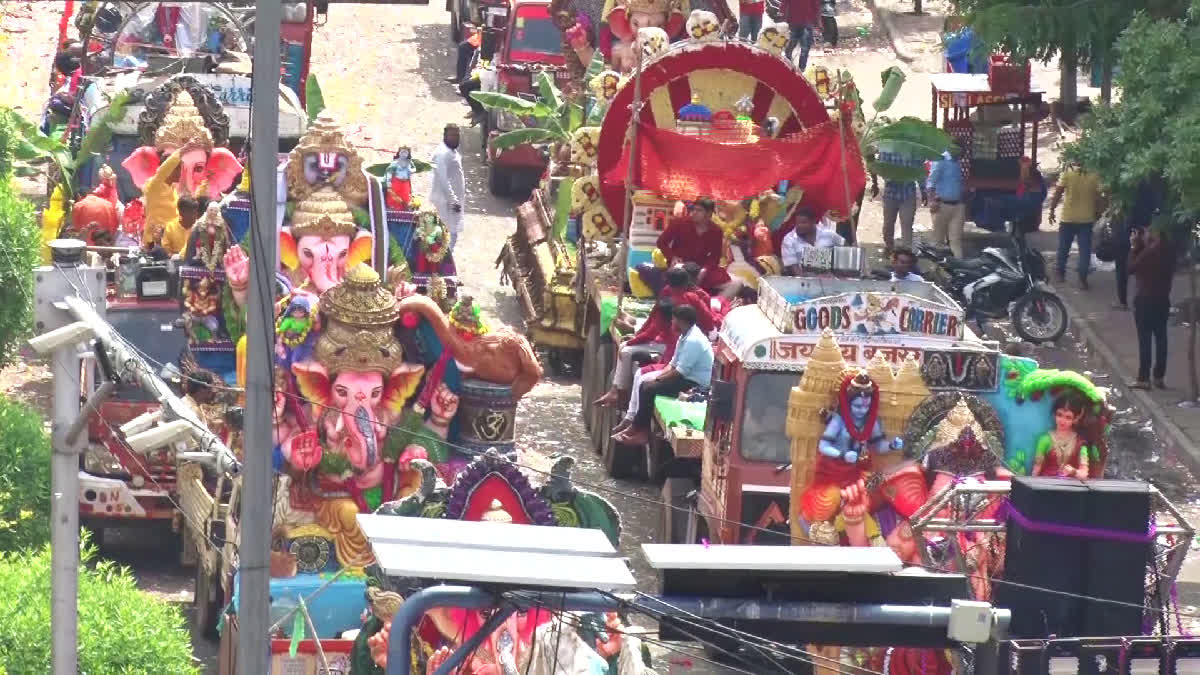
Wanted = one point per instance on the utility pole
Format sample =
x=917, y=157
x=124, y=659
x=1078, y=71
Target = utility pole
x=254, y=560
x=61, y=338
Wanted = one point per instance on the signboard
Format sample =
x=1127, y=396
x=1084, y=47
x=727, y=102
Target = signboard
x=941, y=367
x=877, y=313
x=233, y=91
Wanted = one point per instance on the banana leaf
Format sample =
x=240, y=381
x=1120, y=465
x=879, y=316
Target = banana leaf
x=517, y=137
x=913, y=137
x=101, y=130
x=572, y=117
x=895, y=172
x=314, y=100
x=31, y=145
x=512, y=104
x=562, y=208
x=549, y=92
x=893, y=78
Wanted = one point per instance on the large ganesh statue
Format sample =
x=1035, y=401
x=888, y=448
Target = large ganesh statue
x=321, y=240
x=492, y=488
x=870, y=448
x=620, y=24
x=183, y=129
x=355, y=381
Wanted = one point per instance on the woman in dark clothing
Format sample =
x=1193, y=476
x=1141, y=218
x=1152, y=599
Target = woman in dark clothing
x=1152, y=264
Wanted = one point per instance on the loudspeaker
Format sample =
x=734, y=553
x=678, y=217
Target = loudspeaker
x=1116, y=570
x=1044, y=561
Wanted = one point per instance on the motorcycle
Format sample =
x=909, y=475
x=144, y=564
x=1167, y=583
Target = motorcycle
x=1002, y=282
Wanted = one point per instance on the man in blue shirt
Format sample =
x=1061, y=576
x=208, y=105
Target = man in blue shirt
x=899, y=200
x=691, y=367
x=948, y=207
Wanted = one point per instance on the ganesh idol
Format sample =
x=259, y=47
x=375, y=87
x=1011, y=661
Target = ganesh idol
x=356, y=383
x=182, y=157
x=325, y=183
x=622, y=21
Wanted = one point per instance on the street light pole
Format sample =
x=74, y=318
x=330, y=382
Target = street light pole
x=253, y=611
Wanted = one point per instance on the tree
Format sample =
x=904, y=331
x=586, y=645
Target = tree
x=1073, y=30
x=556, y=118
x=1153, y=130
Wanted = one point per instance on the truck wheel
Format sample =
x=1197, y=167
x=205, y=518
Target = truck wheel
x=622, y=461
x=499, y=183
x=586, y=388
x=456, y=18
x=602, y=418
x=207, y=599
x=673, y=527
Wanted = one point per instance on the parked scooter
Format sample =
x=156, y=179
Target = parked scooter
x=1002, y=282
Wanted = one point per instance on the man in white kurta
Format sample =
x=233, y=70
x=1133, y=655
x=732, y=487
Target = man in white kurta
x=449, y=190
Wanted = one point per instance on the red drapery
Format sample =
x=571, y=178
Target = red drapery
x=686, y=167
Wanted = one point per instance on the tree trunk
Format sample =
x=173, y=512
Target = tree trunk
x=1068, y=90
x=1193, y=376
x=1107, y=64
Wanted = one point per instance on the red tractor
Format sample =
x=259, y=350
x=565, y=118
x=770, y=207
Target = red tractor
x=531, y=43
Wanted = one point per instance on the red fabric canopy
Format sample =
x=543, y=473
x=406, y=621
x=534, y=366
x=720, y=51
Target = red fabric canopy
x=686, y=167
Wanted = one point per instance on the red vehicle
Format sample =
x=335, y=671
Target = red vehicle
x=532, y=43
x=118, y=486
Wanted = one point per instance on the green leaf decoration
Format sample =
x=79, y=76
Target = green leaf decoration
x=564, y=515
x=361, y=217
x=895, y=172
x=549, y=92
x=562, y=208
x=101, y=130
x=893, y=79
x=434, y=510
x=420, y=165
x=378, y=170
x=572, y=117
x=1044, y=379
x=314, y=100
x=913, y=137
x=297, y=633
x=595, y=512
x=517, y=137
x=512, y=104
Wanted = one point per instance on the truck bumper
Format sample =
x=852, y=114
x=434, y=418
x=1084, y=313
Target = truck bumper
x=112, y=499
x=521, y=158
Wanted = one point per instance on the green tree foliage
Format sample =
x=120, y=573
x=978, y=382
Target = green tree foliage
x=20, y=242
x=25, y=481
x=122, y=630
x=1155, y=126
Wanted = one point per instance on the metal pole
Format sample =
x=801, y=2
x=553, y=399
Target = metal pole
x=627, y=217
x=64, y=513
x=253, y=653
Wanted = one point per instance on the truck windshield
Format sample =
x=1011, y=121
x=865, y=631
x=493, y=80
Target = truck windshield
x=534, y=35
x=764, y=418
x=152, y=332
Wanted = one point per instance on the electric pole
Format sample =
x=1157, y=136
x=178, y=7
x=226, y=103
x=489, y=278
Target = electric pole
x=253, y=611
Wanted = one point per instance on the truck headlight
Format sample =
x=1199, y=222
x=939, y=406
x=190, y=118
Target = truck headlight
x=506, y=121
x=98, y=461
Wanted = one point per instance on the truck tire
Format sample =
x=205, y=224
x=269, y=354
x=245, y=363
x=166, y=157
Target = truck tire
x=456, y=19
x=499, y=182
x=207, y=600
x=673, y=526
x=602, y=418
x=586, y=388
x=622, y=461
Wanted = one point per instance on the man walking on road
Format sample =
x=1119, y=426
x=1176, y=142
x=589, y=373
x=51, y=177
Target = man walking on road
x=1083, y=205
x=802, y=17
x=449, y=190
x=948, y=207
x=1152, y=264
x=899, y=201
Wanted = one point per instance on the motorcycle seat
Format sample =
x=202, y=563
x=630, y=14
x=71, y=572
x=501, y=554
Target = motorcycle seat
x=968, y=265
x=940, y=251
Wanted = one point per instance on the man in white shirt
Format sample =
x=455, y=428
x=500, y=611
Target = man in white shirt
x=805, y=234
x=904, y=261
x=449, y=185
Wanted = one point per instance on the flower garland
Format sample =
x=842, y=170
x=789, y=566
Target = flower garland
x=432, y=236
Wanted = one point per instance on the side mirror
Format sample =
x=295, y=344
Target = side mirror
x=721, y=400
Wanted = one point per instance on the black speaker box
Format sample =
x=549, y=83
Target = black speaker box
x=1044, y=561
x=1115, y=570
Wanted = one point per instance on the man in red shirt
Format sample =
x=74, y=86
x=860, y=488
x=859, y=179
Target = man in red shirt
x=658, y=329
x=802, y=17
x=699, y=241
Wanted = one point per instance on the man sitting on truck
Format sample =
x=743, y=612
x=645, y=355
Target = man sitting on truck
x=805, y=234
x=678, y=291
x=647, y=373
x=654, y=333
x=697, y=240
x=690, y=367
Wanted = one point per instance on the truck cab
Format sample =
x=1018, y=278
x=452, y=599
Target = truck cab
x=120, y=487
x=740, y=472
x=531, y=43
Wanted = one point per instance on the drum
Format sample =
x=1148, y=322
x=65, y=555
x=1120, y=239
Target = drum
x=487, y=415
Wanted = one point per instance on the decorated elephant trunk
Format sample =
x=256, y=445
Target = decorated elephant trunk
x=502, y=356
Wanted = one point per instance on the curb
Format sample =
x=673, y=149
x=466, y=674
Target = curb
x=1176, y=440
x=884, y=18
